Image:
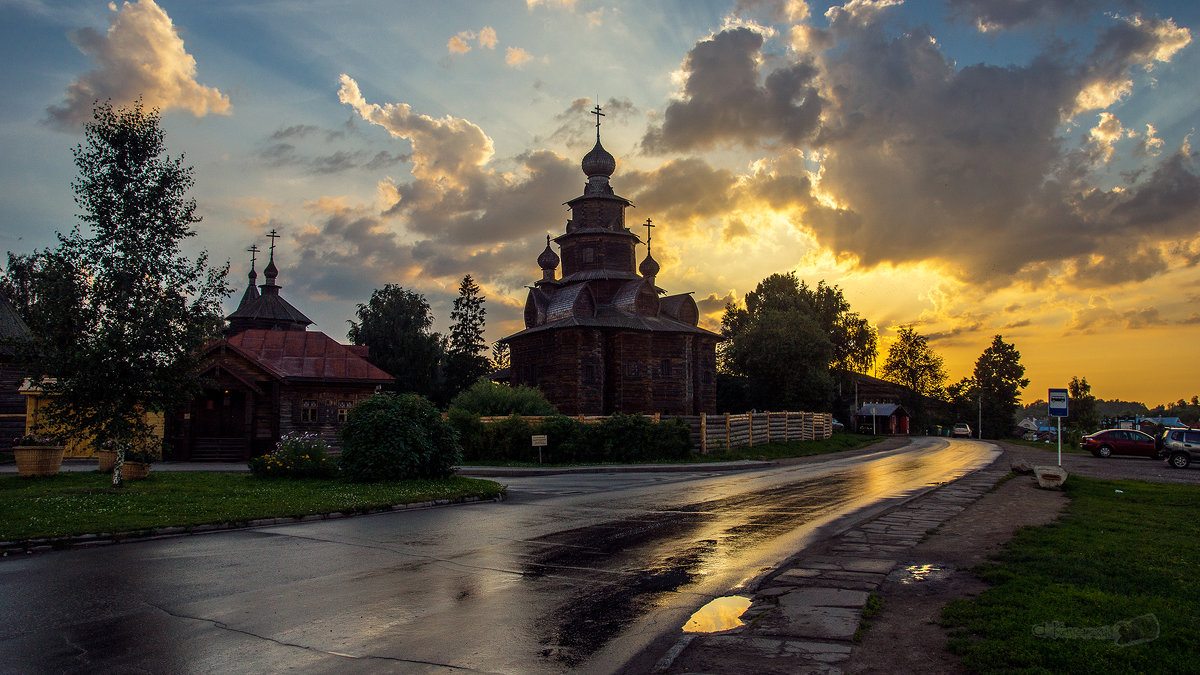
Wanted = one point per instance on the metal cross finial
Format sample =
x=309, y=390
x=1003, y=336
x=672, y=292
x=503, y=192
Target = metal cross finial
x=598, y=114
x=253, y=250
x=648, y=225
x=273, y=235
x=547, y=241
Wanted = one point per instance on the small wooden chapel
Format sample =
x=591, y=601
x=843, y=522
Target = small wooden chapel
x=603, y=337
x=267, y=377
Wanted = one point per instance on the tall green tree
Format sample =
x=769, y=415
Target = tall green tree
x=1082, y=416
x=999, y=378
x=396, y=324
x=466, y=350
x=136, y=308
x=913, y=363
x=780, y=342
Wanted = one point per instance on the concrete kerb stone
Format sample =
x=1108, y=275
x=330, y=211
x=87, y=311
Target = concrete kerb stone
x=80, y=541
x=819, y=598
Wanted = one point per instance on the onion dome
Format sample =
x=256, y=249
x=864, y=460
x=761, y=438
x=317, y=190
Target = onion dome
x=548, y=260
x=271, y=272
x=599, y=162
x=649, y=266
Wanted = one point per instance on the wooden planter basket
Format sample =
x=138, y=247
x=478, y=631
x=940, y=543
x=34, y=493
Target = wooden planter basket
x=134, y=470
x=107, y=459
x=38, y=460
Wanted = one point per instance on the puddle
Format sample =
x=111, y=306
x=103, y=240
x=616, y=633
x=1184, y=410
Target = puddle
x=915, y=574
x=718, y=615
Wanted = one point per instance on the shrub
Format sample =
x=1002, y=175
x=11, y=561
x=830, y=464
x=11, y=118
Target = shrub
x=492, y=399
x=510, y=439
x=470, y=433
x=397, y=437
x=296, y=455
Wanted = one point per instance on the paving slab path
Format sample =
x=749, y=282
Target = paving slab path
x=803, y=616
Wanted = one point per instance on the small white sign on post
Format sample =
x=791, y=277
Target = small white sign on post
x=539, y=442
x=1058, y=408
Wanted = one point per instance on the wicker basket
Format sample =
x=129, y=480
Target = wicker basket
x=107, y=460
x=134, y=470
x=38, y=460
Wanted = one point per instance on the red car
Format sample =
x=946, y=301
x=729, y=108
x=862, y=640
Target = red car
x=1120, y=442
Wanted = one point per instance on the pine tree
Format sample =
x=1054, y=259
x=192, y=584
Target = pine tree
x=465, y=348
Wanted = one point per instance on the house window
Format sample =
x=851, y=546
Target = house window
x=308, y=410
x=588, y=255
x=343, y=409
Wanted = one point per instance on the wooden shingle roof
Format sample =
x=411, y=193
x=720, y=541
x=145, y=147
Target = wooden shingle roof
x=306, y=355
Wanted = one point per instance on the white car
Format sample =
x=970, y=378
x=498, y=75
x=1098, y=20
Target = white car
x=961, y=430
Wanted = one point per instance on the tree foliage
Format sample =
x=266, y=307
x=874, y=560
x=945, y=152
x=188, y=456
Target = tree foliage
x=396, y=324
x=787, y=340
x=120, y=311
x=912, y=363
x=466, y=359
x=999, y=378
x=1082, y=415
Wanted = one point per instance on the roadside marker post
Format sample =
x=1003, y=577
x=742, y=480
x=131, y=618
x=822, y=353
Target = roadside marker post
x=1058, y=408
x=539, y=442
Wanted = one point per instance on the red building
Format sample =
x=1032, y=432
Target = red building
x=268, y=377
x=604, y=338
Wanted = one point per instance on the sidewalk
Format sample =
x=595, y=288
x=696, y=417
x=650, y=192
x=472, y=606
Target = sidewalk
x=803, y=618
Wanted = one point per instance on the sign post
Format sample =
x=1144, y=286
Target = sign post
x=1058, y=408
x=539, y=442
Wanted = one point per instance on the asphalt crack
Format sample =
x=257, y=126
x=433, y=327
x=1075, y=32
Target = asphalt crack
x=374, y=657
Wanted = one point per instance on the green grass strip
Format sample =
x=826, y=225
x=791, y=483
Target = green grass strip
x=84, y=503
x=1112, y=587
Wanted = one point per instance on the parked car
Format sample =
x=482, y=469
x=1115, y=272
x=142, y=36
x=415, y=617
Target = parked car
x=1120, y=442
x=1181, y=446
x=961, y=430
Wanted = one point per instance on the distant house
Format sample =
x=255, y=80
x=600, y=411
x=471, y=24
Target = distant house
x=270, y=376
x=882, y=418
x=13, y=333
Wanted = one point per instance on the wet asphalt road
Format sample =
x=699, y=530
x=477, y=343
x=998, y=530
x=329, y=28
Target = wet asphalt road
x=571, y=572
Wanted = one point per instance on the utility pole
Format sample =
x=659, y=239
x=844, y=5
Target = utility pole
x=981, y=415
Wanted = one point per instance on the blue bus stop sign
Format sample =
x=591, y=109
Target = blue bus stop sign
x=1058, y=402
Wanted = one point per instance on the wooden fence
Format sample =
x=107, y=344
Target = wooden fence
x=714, y=433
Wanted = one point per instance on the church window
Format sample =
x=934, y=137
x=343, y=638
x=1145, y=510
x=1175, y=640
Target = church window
x=308, y=410
x=343, y=410
x=589, y=255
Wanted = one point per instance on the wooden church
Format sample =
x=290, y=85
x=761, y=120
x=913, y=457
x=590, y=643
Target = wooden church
x=270, y=376
x=603, y=337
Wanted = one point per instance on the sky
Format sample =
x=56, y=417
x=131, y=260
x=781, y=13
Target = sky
x=966, y=167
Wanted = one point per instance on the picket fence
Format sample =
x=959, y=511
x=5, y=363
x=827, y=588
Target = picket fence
x=723, y=431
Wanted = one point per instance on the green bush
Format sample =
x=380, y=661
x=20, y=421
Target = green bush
x=620, y=438
x=296, y=455
x=470, y=433
x=397, y=437
x=492, y=399
x=510, y=439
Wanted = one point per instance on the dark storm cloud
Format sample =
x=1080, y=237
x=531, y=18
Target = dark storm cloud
x=1006, y=14
x=724, y=102
x=576, y=129
x=926, y=160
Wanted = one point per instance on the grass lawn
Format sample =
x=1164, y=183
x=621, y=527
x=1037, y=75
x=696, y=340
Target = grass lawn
x=1113, y=587
x=781, y=450
x=84, y=503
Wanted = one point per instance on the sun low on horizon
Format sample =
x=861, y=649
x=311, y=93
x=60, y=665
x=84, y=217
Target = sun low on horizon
x=969, y=168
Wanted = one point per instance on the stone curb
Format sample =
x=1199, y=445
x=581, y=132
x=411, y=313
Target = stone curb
x=804, y=614
x=81, y=541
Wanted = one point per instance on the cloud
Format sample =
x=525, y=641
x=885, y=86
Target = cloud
x=461, y=44
x=444, y=150
x=914, y=158
x=993, y=15
x=1099, y=315
x=723, y=102
x=141, y=55
x=773, y=11
x=565, y=4
x=516, y=57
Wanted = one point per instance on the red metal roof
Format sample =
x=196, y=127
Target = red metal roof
x=306, y=354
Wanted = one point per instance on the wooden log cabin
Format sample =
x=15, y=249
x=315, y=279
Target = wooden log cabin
x=268, y=377
x=604, y=338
